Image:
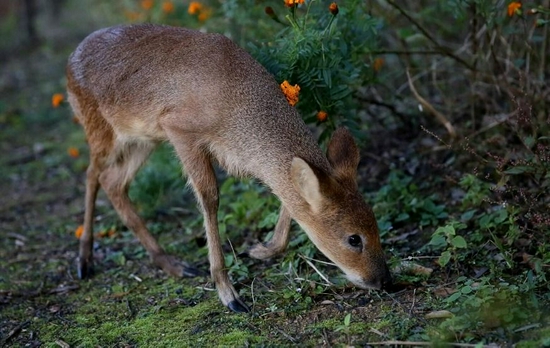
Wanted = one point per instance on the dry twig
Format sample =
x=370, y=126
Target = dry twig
x=440, y=117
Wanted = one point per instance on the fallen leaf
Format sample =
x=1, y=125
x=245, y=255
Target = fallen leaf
x=407, y=267
x=444, y=292
x=54, y=309
x=62, y=344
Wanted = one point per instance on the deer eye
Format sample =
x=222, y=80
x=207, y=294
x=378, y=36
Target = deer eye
x=355, y=241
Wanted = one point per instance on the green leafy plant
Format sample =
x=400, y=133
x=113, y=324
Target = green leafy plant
x=346, y=324
x=325, y=54
x=445, y=238
x=401, y=201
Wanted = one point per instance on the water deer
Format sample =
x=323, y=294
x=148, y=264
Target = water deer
x=133, y=87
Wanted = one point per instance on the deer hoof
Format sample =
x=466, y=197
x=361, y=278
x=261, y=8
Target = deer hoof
x=238, y=306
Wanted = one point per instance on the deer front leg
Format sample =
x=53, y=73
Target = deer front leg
x=278, y=242
x=207, y=193
x=198, y=166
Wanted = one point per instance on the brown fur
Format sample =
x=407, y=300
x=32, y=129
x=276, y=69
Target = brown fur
x=135, y=86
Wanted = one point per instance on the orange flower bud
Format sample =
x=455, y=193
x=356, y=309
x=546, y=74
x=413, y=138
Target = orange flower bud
x=204, y=14
x=147, y=4
x=514, y=8
x=168, y=7
x=194, y=8
x=333, y=8
x=78, y=232
x=73, y=152
x=292, y=3
x=377, y=64
x=57, y=98
x=322, y=116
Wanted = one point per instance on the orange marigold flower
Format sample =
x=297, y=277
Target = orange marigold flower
x=147, y=4
x=514, y=7
x=292, y=3
x=204, y=14
x=377, y=64
x=57, y=98
x=78, y=232
x=333, y=8
x=322, y=116
x=168, y=7
x=73, y=152
x=194, y=8
x=291, y=92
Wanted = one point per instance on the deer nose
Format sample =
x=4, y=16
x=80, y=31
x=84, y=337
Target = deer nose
x=387, y=280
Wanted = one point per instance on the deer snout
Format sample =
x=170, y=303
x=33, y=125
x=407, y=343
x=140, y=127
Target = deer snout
x=382, y=280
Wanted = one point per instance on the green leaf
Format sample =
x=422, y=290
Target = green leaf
x=229, y=260
x=453, y=297
x=459, y=242
x=448, y=230
x=402, y=217
x=466, y=289
x=529, y=141
x=444, y=258
x=340, y=92
x=486, y=221
x=438, y=241
x=467, y=216
x=347, y=319
x=501, y=216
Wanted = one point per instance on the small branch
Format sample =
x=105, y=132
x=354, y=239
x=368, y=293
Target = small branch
x=446, y=51
x=388, y=106
x=440, y=117
x=287, y=336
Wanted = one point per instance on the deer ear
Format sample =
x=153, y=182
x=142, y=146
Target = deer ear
x=306, y=183
x=343, y=155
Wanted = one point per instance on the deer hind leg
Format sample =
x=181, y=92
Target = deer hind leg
x=85, y=255
x=278, y=242
x=115, y=180
x=100, y=138
x=198, y=167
